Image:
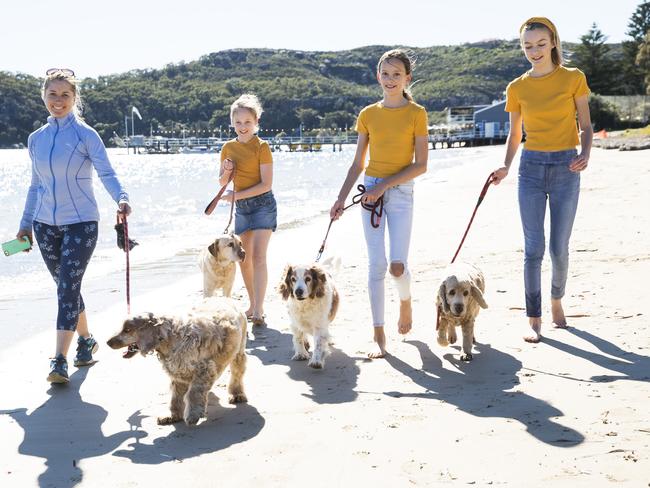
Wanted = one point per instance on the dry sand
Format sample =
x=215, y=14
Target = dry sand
x=570, y=411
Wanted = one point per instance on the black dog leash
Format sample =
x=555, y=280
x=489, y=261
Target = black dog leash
x=376, y=211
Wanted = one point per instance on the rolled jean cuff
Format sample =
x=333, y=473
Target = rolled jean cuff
x=534, y=305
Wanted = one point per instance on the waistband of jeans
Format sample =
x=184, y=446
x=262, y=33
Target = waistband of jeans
x=253, y=198
x=376, y=179
x=548, y=157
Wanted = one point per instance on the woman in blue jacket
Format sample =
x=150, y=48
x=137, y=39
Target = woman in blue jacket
x=62, y=211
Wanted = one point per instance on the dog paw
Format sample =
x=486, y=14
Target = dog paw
x=238, y=398
x=193, y=419
x=299, y=356
x=443, y=341
x=452, y=339
x=315, y=364
x=466, y=357
x=168, y=420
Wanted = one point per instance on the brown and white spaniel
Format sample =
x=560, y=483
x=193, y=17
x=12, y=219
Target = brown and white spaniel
x=312, y=301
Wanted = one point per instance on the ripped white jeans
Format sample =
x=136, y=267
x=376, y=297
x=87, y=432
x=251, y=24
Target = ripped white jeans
x=398, y=216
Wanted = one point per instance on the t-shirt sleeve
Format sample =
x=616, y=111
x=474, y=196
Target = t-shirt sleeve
x=581, y=86
x=421, y=123
x=512, y=101
x=265, y=153
x=361, y=127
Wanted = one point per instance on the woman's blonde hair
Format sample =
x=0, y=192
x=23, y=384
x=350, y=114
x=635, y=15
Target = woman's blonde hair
x=407, y=61
x=249, y=102
x=77, y=108
x=544, y=23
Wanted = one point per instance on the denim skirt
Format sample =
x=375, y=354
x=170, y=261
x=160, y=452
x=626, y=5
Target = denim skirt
x=258, y=212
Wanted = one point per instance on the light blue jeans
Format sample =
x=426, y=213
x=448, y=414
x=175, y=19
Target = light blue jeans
x=398, y=216
x=546, y=176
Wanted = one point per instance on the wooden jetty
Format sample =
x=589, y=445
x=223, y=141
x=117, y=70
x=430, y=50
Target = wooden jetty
x=437, y=140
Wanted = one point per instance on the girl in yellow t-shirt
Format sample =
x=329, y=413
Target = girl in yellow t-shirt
x=395, y=129
x=546, y=99
x=256, y=210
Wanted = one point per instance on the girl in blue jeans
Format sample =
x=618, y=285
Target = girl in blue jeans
x=394, y=132
x=547, y=99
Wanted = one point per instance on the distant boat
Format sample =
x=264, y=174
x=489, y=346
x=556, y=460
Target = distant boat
x=198, y=150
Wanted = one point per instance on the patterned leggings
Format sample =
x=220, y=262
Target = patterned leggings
x=66, y=250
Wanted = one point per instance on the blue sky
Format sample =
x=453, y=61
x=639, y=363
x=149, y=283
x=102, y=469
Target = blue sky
x=96, y=38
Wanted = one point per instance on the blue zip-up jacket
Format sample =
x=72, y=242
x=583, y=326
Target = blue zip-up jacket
x=63, y=153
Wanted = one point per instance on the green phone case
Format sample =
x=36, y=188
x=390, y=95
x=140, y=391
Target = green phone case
x=17, y=245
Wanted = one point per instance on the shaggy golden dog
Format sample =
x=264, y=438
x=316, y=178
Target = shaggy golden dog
x=194, y=350
x=312, y=301
x=217, y=262
x=459, y=300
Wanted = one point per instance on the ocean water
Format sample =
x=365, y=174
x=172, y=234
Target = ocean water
x=168, y=194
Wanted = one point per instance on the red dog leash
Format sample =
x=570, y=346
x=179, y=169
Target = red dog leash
x=376, y=211
x=122, y=218
x=481, y=196
x=213, y=204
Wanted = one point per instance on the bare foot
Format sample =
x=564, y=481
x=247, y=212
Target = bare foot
x=557, y=312
x=536, y=326
x=405, y=317
x=380, y=339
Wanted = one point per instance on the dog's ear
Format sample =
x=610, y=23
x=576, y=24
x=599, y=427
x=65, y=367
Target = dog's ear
x=214, y=249
x=442, y=295
x=478, y=296
x=286, y=288
x=319, y=278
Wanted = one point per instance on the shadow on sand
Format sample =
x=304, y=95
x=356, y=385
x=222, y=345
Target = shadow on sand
x=335, y=383
x=480, y=388
x=223, y=428
x=64, y=431
x=629, y=365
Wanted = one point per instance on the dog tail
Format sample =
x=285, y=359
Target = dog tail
x=332, y=265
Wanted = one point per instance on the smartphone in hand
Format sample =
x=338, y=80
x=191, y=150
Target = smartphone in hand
x=17, y=245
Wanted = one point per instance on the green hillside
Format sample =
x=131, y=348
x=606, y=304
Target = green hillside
x=317, y=89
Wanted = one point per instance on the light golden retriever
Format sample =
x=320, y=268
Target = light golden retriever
x=217, y=262
x=194, y=350
x=459, y=300
x=312, y=301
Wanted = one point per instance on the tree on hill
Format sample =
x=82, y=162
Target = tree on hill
x=638, y=26
x=643, y=61
x=591, y=57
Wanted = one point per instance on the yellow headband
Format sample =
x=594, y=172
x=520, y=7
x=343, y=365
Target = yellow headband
x=543, y=21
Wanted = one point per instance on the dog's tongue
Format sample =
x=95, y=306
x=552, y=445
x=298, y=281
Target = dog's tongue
x=131, y=351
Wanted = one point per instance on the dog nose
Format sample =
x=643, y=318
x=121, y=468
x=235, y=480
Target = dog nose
x=241, y=254
x=458, y=308
x=299, y=292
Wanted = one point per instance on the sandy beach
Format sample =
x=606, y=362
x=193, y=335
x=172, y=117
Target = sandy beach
x=569, y=411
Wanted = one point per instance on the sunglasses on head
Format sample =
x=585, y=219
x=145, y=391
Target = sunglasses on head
x=63, y=71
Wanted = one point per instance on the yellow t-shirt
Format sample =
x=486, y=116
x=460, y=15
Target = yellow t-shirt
x=547, y=105
x=247, y=158
x=391, y=134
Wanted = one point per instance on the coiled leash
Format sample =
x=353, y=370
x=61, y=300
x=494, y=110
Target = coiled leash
x=376, y=211
x=126, y=244
x=213, y=203
x=481, y=196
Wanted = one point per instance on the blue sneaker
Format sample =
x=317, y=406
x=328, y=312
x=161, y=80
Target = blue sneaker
x=58, y=370
x=85, y=350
